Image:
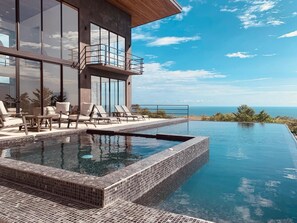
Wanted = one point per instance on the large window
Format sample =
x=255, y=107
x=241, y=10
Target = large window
x=30, y=92
x=8, y=81
x=70, y=86
x=49, y=27
x=30, y=25
x=108, y=92
x=70, y=33
x=107, y=47
x=7, y=23
x=51, y=84
x=52, y=28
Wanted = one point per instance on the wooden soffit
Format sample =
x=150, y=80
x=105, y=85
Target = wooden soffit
x=145, y=11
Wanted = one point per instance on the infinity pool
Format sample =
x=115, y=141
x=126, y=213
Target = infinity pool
x=251, y=175
x=88, y=153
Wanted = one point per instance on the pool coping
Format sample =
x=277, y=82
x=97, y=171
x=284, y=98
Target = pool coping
x=128, y=183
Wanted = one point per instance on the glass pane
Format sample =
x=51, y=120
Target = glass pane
x=94, y=55
x=105, y=93
x=70, y=86
x=104, y=45
x=122, y=92
x=113, y=94
x=52, y=28
x=8, y=81
x=113, y=49
x=70, y=33
x=51, y=84
x=7, y=24
x=30, y=25
x=30, y=94
x=121, y=54
x=96, y=90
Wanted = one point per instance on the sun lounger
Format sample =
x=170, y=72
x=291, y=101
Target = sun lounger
x=7, y=122
x=85, y=115
x=102, y=115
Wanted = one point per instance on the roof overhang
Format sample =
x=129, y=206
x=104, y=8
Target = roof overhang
x=145, y=11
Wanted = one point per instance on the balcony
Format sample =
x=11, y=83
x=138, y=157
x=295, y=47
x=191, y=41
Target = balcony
x=106, y=58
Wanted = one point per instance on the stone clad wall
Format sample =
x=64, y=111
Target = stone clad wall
x=146, y=174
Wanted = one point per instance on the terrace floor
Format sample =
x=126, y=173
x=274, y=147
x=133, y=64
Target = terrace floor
x=20, y=203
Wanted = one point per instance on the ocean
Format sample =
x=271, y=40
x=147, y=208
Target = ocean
x=272, y=111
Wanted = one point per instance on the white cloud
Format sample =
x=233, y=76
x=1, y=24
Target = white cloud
x=269, y=55
x=141, y=36
x=226, y=9
x=172, y=40
x=151, y=56
x=289, y=35
x=274, y=22
x=185, y=11
x=255, y=13
x=241, y=55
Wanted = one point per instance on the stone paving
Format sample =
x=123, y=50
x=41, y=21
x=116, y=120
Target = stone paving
x=24, y=205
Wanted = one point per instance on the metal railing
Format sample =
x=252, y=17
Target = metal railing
x=170, y=110
x=103, y=54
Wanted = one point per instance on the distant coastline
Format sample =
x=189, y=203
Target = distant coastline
x=272, y=111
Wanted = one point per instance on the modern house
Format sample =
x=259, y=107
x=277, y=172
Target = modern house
x=71, y=50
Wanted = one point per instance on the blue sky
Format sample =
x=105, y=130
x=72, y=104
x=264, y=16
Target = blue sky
x=220, y=53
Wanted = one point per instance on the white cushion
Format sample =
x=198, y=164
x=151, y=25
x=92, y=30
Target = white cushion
x=86, y=108
x=50, y=110
x=12, y=121
x=62, y=107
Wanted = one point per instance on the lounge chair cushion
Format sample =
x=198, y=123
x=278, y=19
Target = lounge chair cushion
x=50, y=110
x=86, y=108
x=80, y=118
x=63, y=107
x=12, y=121
x=3, y=112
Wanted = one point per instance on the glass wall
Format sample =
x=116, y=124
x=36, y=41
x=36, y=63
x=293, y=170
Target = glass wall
x=51, y=84
x=51, y=28
x=105, y=94
x=96, y=90
x=112, y=47
x=30, y=93
x=70, y=33
x=70, y=86
x=30, y=25
x=108, y=92
x=8, y=81
x=7, y=23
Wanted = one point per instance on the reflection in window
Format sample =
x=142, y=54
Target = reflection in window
x=52, y=28
x=113, y=94
x=121, y=50
x=109, y=49
x=104, y=45
x=70, y=86
x=30, y=93
x=70, y=33
x=105, y=94
x=96, y=90
x=8, y=81
x=30, y=25
x=122, y=92
x=95, y=41
x=108, y=92
x=51, y=84
x=7, y=23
